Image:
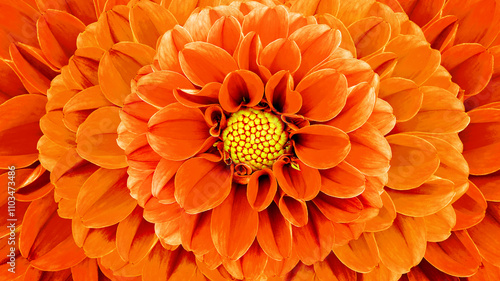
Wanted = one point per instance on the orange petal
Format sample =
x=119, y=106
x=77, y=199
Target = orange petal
x=261, y=189
x=200, y=22
x=57, y=32
x=226, y=34
x=254, y=261
x=281, y=54
x=195, y=232
x=113, y=27
x=268, y=23
x=310, y=8
x=316, y=43
x=149, y=21
x=135, y=114
x=370, y=152
x=333, y=269
x=407, y=171
x=240, y=88
x=140, y=155
x=169, y=46
x=204, y=189
x=234, y=225
x=156, y=212
x=339, y=210
x=421, y=11
x=203, y=63
x=177, y=132
x=486, y=271
x=38, y=275
x=481, y=153
x=403, y=95
x=355, y=71
x=320, y=146
x=46, y=239
x=333, y=22
x=208, y=95
x=342, y=181
x=360, y=255
x=324, y=94
x=19, y=21
x=485, y=232
x=459, y=60
x=96, y=139
x=441, y=112
x=162, y=264
x=440, y=224
x=163, y=180
x=134, y=237
x=10, y=84
x=84, y=65
x=53, y=127
x=99, y=242
x=441, y=33
x=119, y=65
x=313, y=241
x=385, y=216
x=457, y=255
x=369, y=35
x=280, y=94
x=301, y=182
x=274, y=234
x=382, y=118
x=470, y=208
x=294, y=211
x=248, y=53
x=104, y=198
x=383, y=64
x=427, y=199
x=157, y=88
x=402, y=245
x=358, y=108
x=416, y=60
x=19, y=130
x=488, y=185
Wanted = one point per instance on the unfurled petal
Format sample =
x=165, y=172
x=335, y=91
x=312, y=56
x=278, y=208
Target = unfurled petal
x=470, y=208
x=301, y=182
x=195, y=232
x=360, y=255
x=385, y=216
x=274, y=234
x=226, y=33
x=148, y=21
x=281, y=54
x=339, y=210
x=268, y=23
x=439, y=225
x=294, y=211
x=342, y=181
x=369, y=35
x=157, y=88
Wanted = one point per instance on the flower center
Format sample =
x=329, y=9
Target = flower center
x=255, y=138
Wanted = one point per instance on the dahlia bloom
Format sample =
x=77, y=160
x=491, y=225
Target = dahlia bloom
x=250, y=140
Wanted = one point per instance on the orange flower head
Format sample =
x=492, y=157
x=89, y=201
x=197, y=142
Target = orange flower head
x=254, y=138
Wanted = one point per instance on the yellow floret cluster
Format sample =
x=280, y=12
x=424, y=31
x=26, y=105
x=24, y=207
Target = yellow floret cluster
x=255, y=138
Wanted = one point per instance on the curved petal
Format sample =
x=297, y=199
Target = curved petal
x=442, y=32
x=403, y=95
x=274, y=234
x=414, y=161
x=427, y=199
x=383, y=64
x=324, y=94
x=300, y=182
x=208, y=95
x=488, y=185
x=440, y=224
x=234, y=225
x=370, y=151
x=421, y=11
x=485, y=232
x=200, y=22
x=195, y=232
x=268, y=23
x=226, y=33
x=113, y=27
x=119, y=65
x=403, y=245
x=104, y=198
x=156, y=212
x=135, y=115
x=157, y=88
x=52, y=126
x=382, y=118
x=149, y=21
x=320, y=146
x=333, y=269
x=261, y=189
x=470, y=208
x=359, y=106
x=46, y=239
x=201, y=185
x=280, y=95
x=369, y=35
x=169, y=265
x=177, y=132
x=169, y=46
x=457, y=255
x=240, y=88
x=203, y=63
x=460, y=59
x=96, y=139
x=385, y=216
x=342, y=181
x=281, y=54
x=481, y=152
x=294, y=211
x=339, y=210
x=313, y=241
x=360, y=255
x=19, y=135
x=163, y=186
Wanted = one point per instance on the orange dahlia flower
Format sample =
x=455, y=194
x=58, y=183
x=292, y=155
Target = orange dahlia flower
x=249, y=140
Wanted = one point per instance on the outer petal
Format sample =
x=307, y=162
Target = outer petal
x=456, y=255
x=113, y=27
x=226, y=33
x=268, y=23
x=195, y=232
x=470, y=208
x=302, y=183
x=46, y=239
x=274, y=234
x=281, y=54
x=402, y=245
x=385, y=216
x=421, y=11
x=201, y=185
x=370, y=35
x=104, y=199
x=339, y=210
x=407, y=171
x=19, y=130
x=324, y=94
x=157, y=88
x=333, y=269
x=294, y=211
x=382, y=117
x=360, y=255
x=342, y=181
x=203, y=63
x=403, y=95
x=169, y=46
x=164, y=179
x=485, y=232
x=481, y=152
x=320, y=146
x=119, y=65
x=149, y=21
x=177, y=132
x=170, y=265
x=234, y=225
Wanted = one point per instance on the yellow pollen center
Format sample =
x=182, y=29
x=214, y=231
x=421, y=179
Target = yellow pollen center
x=255, y=138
